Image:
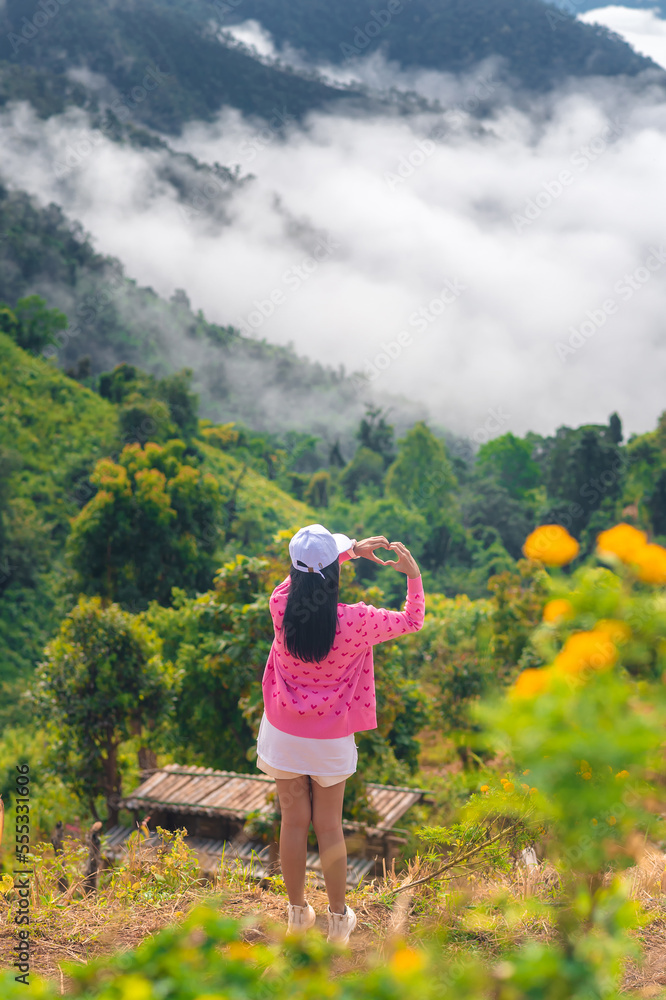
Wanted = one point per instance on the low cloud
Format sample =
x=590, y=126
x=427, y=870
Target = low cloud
x=644, y=30
x=402, y=208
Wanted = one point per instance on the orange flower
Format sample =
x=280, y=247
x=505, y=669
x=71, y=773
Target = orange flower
x=622, y=541
x=615, y=630
x=484, y=788
x=586, y=775
x=651, y=562
x=585, y=650
x=558, y=610
x=530, y=683
x=508, y=786
x=551, y=544
x=406, y=962
x=612, y=821
x=621, y=775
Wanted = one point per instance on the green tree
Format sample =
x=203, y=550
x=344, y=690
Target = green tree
x=183, y=404
x=421, y=475
x=583, y=469
x=318, y=491
x=152, y=525
x=376, y=434
x=509, y=460
x=365, y=471
x=489, y=504
x=102, y=681
x=219, y=643
x=32, y=324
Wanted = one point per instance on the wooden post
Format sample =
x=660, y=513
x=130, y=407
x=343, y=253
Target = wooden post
x=56, y=840
x=94, y=865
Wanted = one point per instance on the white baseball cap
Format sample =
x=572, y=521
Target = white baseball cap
x=314, y=547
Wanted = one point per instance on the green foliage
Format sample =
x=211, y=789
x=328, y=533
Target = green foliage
x=509, y=459
x=489, y=505
x=152, y=525
x=196, y=72
x=112, y=321
x=51, y=432
x=34, y=326
x=421, y=475
x=101, y=681
x=219, y=644
x=583, y=472
x=458, y=665
x=376, y=434
x=364, y=472
x=319, y=489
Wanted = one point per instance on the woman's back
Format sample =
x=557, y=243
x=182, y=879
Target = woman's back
x=334, y=696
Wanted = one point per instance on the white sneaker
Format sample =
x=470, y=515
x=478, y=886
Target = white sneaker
x=340, y=925
x=301, y=918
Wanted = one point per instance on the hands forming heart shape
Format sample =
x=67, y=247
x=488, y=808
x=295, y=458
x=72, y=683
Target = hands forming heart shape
x=405, y=562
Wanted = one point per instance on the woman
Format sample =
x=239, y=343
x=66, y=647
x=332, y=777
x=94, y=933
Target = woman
x=319, y=690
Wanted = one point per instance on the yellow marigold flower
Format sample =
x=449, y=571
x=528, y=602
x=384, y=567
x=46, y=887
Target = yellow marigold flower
x=557, y=611
x=622, y=541
x=534, y=791
x=530, y=683
x=584, y=766
x=586, y=775
x=612, y=820
x=525, y=773
x=617, y=631
x=484, y=788
x=585, y=651
x=551, y=544
x=525, y=787
x=509, y=786
x=407, y=961
x=651, y=563
x=594, y=822
x=621, y=775
x=239, y=951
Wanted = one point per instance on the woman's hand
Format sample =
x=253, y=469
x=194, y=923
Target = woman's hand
x=366, y=548
x=405, y=563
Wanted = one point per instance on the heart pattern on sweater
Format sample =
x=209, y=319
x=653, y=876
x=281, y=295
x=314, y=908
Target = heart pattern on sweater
x=349, y=660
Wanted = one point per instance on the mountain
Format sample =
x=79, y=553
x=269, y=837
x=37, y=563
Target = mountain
x=167, y=67
x=579, y=6
x=52, y=431
x=448, y=35
x=168, y=61
x=113, y=321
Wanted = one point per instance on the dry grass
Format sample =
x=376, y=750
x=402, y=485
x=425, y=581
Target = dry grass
x=69, y=927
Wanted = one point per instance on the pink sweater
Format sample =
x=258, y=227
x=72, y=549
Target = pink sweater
x=336, y=696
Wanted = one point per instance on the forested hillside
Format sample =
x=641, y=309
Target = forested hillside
x=465, y=519
x=52, y=432
x=450, y=35
x=196, y=71
x=123, y=41
x=110, y=320
x=578, y=6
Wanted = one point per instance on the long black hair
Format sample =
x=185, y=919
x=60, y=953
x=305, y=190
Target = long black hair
x=311, y=615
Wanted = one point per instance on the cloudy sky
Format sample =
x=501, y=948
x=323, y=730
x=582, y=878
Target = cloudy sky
x=511, y=274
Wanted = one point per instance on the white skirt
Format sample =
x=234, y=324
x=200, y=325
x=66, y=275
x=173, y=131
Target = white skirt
x=282, y=755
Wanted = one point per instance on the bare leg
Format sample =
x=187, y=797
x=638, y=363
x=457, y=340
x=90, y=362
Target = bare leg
x=327, y=822
x=296, y=808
